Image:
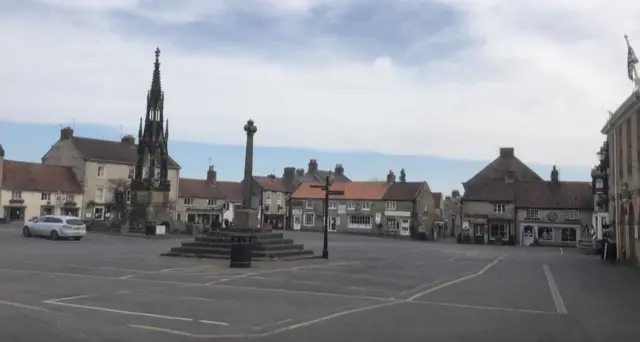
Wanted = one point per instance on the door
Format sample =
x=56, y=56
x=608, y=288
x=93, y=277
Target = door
x=37, y=226
x=334, y=222
x=527, y=235
x=297, y=222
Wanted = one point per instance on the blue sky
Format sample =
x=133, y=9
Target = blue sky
x=29, y=142
x=435, y=86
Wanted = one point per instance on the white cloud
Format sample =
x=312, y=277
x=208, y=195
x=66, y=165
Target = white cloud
x=539, y=75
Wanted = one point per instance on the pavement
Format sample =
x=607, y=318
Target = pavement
x=116, y=288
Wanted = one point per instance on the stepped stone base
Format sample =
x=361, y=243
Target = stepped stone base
x=267, y=245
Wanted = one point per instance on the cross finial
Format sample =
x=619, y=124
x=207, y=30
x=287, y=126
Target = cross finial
x=158, y=53
x=250, y=128
x=626, y=38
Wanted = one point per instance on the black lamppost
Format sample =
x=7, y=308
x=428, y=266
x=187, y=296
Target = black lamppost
x=327, y=192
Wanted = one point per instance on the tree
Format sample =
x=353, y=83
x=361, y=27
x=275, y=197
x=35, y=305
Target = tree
x=118, y=204
x=403, y=176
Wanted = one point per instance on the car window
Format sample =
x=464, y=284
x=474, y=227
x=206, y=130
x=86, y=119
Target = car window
x=46, y=219
x=75, y=222
x=56, y=220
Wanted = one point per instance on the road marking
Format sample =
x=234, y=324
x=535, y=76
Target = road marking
x=65, y=298
x=168, y=331
x=327, y=294
x=294, y=268
x=491, y=264
x=89, y=276
x=561, y=251
x=319, y=283
x=404, y=293
x=23, y=306
x=273, y=324
x=481, y=307
x=122, y=312
x=555, y=292
x=212, y=322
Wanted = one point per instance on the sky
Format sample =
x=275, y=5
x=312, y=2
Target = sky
x=435, y=86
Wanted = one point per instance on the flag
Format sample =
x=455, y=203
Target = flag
x=632, y=60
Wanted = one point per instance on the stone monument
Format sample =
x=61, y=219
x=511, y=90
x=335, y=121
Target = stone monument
x=150, y=186
x=246, y=218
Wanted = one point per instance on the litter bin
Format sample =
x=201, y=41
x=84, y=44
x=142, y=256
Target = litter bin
x=240, y=254
x=150, y=228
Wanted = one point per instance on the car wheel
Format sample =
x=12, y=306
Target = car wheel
x=54, y=235
x=26, y=232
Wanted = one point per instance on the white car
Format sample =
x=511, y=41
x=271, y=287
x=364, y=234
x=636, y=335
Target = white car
x=56, y=227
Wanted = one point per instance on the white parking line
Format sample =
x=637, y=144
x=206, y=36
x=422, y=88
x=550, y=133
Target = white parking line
x=23, y=306
x=481, y=307
x=555, y=292
x=65, y=298
x=294, y=268
x=486, y=268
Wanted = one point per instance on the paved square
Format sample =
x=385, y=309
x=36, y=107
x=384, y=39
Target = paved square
x=119, y=289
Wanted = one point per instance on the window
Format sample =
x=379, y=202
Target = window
x=211, y=202
x=45, y=196
x=628, y=145
x=498, y=208
x=99, y=195
x=71, y=198
x=188, y=201
x=308, y=204
x=309, y=219
x=390, y=205
x=351, y=205
x=279, y=202
x=101, y=172
x=478, y=230
x=366, y=205
x=568, y=234
x=16, y=195
x=392, y=224
x=267, y=197
x=333, y=205
x=545, y=234
x=132, y=173
x=98, y=213
x=572, y=215
x=127, y=196
x=619, y=152
x=497, y=230
x=532, y=214
x=359, y=222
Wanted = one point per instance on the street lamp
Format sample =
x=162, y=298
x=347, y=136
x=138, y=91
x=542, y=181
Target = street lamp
x=327, y=192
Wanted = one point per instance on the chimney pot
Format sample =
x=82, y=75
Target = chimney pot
x=66, y=133
x=391, y=177
x=507, y=152
x=313, y=165
x=129, y=140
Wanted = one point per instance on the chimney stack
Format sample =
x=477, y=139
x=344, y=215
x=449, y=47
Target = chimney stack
x=288, y=175
x=66, y=133
x=299, y=172
x=339, y=170
x=555, y=175
x=212, y=175
x=128, y=140
x=313, y=165
x=507, y=152
x=391, y=177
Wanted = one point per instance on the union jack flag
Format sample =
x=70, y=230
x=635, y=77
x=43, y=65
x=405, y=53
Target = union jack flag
x=632, y=60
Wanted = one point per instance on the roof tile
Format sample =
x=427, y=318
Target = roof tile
x=199, y=188
x=403, y=191
x=111, y=151
x=231, y=190
x=23, y=176
x=352, y=190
